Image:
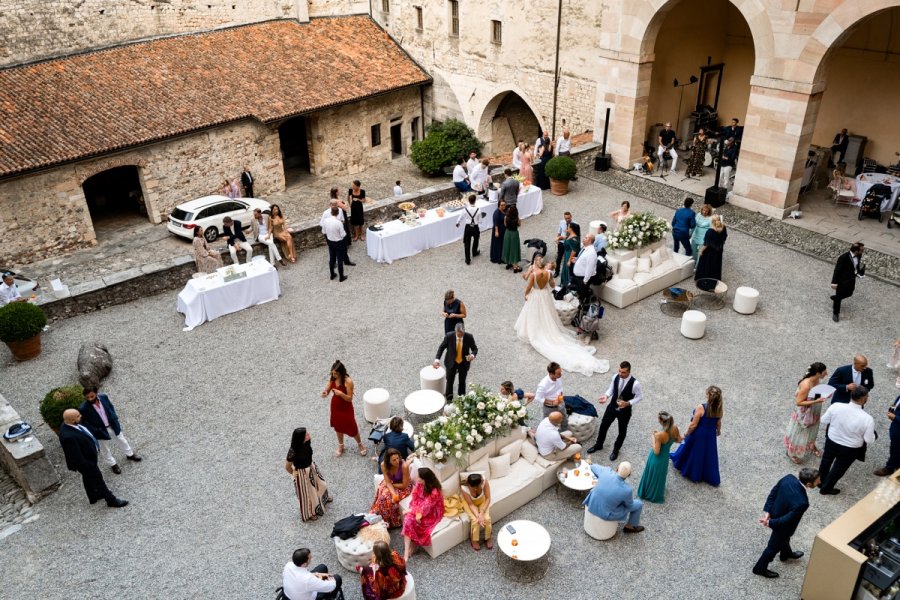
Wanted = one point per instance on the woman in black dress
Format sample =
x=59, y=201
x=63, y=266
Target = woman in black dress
x=356, y=196
x=454, y=311
x=710, y=264
x=698, y=154
x=545, y=153
x=498, y=231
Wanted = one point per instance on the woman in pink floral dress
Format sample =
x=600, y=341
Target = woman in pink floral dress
x=804, y=425
x=426, y=509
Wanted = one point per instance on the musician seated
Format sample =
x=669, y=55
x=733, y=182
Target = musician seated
x=667, y=145
x=839, y=147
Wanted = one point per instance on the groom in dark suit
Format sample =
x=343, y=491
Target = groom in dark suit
x=80, y=448
x=784, y=508
x=848, y=267
x=461, y=350
x=849, y=377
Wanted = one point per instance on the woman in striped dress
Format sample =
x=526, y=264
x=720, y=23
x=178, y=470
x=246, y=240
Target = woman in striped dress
x=312, y=492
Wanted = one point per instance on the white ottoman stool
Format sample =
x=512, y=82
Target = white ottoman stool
x=410, y=592
x=597, y=528
x=357, y=551
x=583, y=427
x=433, y=379
x=693, y=324
x=566, y=309
x=745, y=300
x=376, y=404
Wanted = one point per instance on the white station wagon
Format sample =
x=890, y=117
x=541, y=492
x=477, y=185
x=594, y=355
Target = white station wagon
x=208, y=213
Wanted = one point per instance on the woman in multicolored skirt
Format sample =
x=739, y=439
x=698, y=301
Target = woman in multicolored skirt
x=312, y=492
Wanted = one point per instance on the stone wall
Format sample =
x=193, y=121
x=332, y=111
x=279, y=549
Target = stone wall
x=341, y=137
x=36, y=29
x=331, y=8
x=25, y=461
x=46, y=214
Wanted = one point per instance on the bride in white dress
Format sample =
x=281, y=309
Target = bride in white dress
x=539, y=324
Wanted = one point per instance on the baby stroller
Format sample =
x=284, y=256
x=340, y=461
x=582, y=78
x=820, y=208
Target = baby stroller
x=871, y=204
x=590, y=311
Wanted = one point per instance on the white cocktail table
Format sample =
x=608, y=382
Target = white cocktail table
x=422, y=403
x=576, y=475
x=524, y=555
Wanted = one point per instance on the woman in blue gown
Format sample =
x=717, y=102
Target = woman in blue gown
x=698, y=457
x=498, y=232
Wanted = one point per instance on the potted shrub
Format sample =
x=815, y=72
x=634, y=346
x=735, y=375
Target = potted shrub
x=57, y=401
x=21, y=324
x=561, y=170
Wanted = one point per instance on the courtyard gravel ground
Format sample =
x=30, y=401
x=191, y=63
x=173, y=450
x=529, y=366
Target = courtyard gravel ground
x=213, y=514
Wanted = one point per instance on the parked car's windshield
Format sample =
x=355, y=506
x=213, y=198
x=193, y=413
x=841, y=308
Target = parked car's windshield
x=181, y=215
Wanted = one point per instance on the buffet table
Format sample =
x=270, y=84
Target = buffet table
x=865, y=181
x=210, y=296
x=398, y=240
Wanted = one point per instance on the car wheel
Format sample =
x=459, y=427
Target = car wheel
x=211, y=234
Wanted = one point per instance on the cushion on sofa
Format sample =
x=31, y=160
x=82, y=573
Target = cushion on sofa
x=499, y=466
x=643, y=265
x=520, y=475
x=514, y=450
x=529, y=452
x=655, y=258
x=613, y=263
x=628, y=268
x=641, y=278
x=481, y=465
x=450, y=485
x=483, y=452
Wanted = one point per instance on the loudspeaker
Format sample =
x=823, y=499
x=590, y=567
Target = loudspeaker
x=602, y=162
x=715, y=196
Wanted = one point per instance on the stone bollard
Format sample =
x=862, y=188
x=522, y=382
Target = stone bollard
x=94, y=364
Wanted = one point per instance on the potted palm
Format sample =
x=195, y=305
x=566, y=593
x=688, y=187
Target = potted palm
x=21, y=324
x=561, y=170
x=57, y=401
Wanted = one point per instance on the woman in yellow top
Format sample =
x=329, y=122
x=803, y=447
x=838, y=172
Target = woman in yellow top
x=477, y=503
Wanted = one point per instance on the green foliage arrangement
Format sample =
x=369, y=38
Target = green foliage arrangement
x=57, y=401
x=561, y=168
x=444, y=143
x=20, y=321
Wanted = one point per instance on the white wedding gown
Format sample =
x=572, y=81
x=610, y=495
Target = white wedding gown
x=539, y=324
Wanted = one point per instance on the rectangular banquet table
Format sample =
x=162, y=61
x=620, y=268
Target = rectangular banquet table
x=209, y=297
x=398, y=240
x=864, y=181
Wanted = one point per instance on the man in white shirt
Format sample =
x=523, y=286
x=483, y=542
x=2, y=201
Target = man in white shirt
x=9, y=292
x=564, y=144
x=460, y=177
x=561, y=235
x=848, y=429
x=261, y=230
x=398, y=191
x=471, y=217
x=585, y=262
x=302, y=583
x=550, y=393
x=552, y=444
x=623, y=393
x=517, y=155
x=334, y=234
x=472, y=164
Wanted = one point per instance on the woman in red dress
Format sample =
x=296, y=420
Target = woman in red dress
x=343, y=420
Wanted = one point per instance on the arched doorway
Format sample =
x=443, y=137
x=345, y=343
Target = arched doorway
x=506, y=119
x=294, y=139
x=704, y=59
x=115, y=197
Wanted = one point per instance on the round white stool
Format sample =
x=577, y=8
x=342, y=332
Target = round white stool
x=376, y=404
x=583, y=427
x=745, y=300
x=597, y=528
x=433, y=379
x=410, y=592
x=693, y=324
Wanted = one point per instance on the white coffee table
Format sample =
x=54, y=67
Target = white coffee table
x=576, y=475
x=423, y=403
x=524, y=555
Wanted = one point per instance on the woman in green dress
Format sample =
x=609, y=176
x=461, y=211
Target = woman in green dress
x=512, y=247
x=653, y=481
x=570, y=247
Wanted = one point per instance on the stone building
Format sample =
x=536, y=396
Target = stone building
x=794, y=73
x=142, y=127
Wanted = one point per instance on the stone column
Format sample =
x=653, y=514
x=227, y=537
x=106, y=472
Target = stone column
x=781, y=117
x=623, y=84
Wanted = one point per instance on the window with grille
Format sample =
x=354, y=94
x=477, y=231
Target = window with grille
x=419, y=20
x=496, y=32
x=376, y=135
x=385, y=5
x=454, y=18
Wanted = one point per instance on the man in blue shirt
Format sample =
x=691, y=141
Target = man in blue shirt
x=682, y=224
x=600, y=240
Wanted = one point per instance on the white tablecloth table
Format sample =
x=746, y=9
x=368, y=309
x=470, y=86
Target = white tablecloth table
x=864, y=181
x=398, y=240
x=532, y=541
x=424, y=402
x=207, y=298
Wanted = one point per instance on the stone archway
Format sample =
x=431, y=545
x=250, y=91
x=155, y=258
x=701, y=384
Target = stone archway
x=505, y=119
x=115, y=197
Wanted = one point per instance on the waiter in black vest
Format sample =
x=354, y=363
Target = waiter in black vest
x=624, y=392
x=471, y=216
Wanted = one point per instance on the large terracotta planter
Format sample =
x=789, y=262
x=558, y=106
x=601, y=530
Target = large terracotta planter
x=26, y=349
x=559, y=188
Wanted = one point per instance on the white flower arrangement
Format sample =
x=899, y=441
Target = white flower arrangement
x=478, y=416
x=637, y=231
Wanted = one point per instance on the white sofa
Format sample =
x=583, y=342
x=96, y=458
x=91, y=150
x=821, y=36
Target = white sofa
x=639, y=274
x=527, y=478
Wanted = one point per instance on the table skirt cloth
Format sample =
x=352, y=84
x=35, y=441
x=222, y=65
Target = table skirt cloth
x=204, y=299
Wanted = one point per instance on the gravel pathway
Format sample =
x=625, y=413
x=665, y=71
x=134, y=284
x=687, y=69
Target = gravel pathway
x=212, y=511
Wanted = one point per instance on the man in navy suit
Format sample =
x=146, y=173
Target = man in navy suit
x=783, y=510
x=99, y=416
x=849, y=377
x=80, y=448
x=843, y=281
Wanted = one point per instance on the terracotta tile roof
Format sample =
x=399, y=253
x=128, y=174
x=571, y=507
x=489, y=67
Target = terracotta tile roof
x=88, y=104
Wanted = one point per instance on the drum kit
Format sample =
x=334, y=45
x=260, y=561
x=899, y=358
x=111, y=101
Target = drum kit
x=711, y=157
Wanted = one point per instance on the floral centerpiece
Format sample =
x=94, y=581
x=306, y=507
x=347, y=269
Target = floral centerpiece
x=637, y=231
x=470, y=420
